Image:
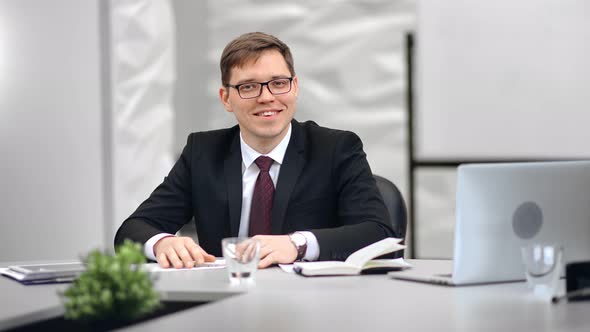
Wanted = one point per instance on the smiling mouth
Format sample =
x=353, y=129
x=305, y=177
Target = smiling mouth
x=267, y=113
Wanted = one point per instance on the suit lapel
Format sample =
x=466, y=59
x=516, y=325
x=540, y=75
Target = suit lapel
x=290, y=169
x=233, y=182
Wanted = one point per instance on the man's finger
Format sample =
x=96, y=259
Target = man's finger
x=241, y=250
x=162, y=260
x=184, y=255
x=196, y=254
x=267, y=261
x=173, y=258
x=249, y=252
x=207, y=257
x=265, y=251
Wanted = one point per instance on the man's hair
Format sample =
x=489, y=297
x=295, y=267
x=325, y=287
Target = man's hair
x=248, y=48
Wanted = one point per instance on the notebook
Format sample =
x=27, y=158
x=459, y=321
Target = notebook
x=44, y=273
x=502, y=207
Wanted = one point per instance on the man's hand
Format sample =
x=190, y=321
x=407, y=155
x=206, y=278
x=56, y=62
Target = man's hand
x=275, y=249
x=180, y=252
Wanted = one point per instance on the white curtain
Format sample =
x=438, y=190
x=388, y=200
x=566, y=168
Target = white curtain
x=143, y=76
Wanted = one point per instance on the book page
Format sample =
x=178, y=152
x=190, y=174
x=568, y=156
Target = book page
x=362, y=256
x=387, y=263
x=325, y=265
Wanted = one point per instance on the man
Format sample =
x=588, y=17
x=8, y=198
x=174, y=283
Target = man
x=306, y=192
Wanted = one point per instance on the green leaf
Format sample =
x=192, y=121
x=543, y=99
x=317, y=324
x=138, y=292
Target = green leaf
x=112, y=287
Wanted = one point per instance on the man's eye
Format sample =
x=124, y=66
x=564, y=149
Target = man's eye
x=248, y=87
x=279, y=84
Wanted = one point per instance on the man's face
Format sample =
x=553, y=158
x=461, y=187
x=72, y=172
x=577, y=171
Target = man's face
x=263, y=120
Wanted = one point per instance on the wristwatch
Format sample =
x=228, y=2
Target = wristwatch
x=300, y=243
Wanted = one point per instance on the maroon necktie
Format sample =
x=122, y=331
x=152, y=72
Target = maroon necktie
x=264, y=191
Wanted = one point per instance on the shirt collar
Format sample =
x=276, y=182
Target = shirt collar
x=277, y=154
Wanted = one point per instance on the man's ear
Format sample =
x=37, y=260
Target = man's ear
x=224, y=98
x=296, y=85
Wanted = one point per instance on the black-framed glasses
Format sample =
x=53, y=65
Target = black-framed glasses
x=251, y=90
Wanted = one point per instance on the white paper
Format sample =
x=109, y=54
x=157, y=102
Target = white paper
x=218, y=264
x=287, y=268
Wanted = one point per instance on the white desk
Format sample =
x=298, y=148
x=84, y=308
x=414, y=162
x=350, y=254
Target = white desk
x=286, y=302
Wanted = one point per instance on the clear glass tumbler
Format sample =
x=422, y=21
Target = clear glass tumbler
x=543, y=267
x=241, y=257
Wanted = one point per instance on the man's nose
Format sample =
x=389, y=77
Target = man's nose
x=265, y=94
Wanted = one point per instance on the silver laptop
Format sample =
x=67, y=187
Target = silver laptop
x=502, y=207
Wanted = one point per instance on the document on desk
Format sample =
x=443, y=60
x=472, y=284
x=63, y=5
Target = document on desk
x=218, y=264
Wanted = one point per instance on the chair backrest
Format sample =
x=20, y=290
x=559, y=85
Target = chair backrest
x=395, y=206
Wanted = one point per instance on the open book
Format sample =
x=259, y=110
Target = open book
x=360, y=260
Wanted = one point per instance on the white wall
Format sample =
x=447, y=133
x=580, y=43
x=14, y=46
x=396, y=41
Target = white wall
x=495, y=79
x=192, y=46
x=503, y=78
x=51, y=139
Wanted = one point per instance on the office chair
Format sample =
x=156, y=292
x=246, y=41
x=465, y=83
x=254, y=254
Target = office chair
x=396, y=207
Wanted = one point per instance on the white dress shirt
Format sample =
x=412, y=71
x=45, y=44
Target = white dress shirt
x=249, y=175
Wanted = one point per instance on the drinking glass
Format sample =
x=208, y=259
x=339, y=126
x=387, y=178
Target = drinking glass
x=241, y=257
x=543, y=267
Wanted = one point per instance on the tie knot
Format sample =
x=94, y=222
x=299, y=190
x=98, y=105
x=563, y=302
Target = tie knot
x=263, y=163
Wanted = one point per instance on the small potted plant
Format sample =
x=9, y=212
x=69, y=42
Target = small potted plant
x=113, y=291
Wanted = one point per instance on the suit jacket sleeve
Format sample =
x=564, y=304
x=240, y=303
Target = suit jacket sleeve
x=362, y=215
x=168, y=208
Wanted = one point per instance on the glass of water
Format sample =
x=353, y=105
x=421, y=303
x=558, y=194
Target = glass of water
x=543, y=267
x=241, y=257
